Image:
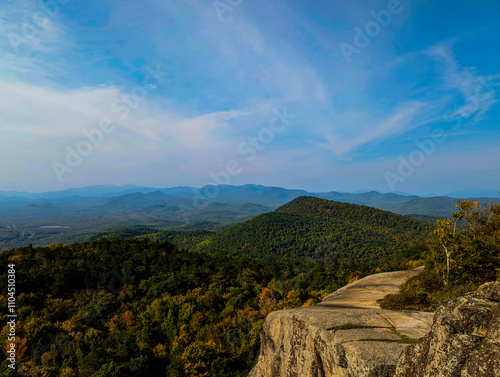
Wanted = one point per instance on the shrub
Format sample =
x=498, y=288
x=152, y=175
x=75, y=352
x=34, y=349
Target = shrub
x=418, y=293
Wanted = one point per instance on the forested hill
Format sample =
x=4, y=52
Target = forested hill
x=313, y=227
x=139, y=308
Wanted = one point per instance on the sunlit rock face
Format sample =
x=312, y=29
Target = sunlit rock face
x=347, y=334
x=464, y=339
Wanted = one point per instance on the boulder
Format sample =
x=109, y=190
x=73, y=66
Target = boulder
x=464, y=339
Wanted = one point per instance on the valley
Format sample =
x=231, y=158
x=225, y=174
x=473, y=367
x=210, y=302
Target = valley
x=75, y=215
x=235, y=188
x=152, y=295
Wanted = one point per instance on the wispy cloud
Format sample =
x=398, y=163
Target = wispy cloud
x=33, y=41
x=453, y=88
x=226, y=79
x=48, y=120
x=367, y=131
x=466, y=80
x=277, y=69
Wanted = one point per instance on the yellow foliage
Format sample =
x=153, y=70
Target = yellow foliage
x=197, y=320
x=16, y=259
x=292, y=300
x=91, y=335
x=49, y=357
x=249, y=312
x=67, y=372
x=213, y=337
x=70, y=327
x=160, y=351
x=204, y=243
x=309, y=302
x=354, y=277
x=266, y=297
x=414, y=263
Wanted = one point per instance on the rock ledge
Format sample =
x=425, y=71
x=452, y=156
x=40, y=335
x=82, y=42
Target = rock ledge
x=347, y=334
x=464, y=339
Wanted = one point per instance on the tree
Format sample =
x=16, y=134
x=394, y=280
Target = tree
x=446, y=232
x=470, y=242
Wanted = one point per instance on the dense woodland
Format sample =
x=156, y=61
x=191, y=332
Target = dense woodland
x=316, y=228
x=188, y=239
x=463, y=253
x=147, y=308
x=307, y=227
x=75, y=215
x=129, y=303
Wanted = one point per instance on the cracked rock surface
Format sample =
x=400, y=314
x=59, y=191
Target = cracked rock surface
x=464, y=340
x=347, y=334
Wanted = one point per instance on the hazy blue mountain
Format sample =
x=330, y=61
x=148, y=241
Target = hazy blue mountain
x=477, y=192
x=371, y=198
x=88, y=191
x=94, y=190
x=70, y=215
x=441, y=206
x=139, y=201
x=271, y=197
x=263, y=195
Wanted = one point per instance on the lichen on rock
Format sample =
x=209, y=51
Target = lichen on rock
x=347, y=334
x=464, y=339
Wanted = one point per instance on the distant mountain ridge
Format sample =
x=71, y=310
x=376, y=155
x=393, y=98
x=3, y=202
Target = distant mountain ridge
x=71, y=215
x=271, y=197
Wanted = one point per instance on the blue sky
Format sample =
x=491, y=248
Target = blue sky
x=186, y=85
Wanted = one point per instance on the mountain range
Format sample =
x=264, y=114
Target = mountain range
x=264, y=195
x=75, y=214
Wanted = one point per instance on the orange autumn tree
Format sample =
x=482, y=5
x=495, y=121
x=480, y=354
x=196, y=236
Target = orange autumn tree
x=20, y=346
x=122, y=322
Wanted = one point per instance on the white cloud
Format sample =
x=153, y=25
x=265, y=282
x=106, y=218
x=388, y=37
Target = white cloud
x=33, y=40
x=477, y=91
x=37, y=124
x=354, y=127
x=365, y=130
x=201, y=132
x=277, y=68
x=51, y=113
